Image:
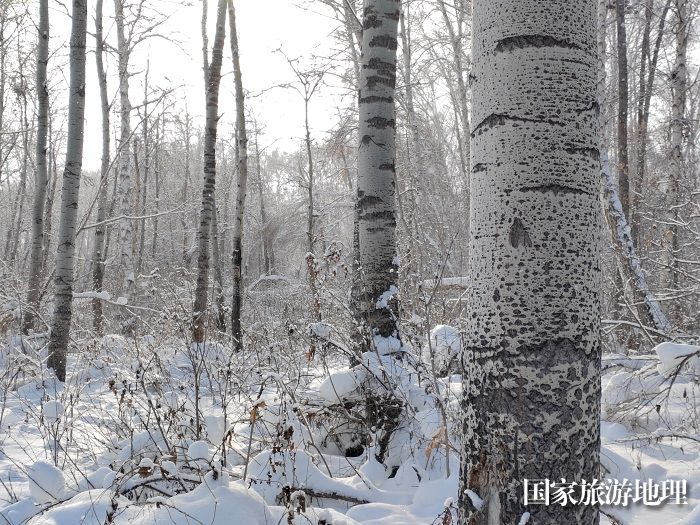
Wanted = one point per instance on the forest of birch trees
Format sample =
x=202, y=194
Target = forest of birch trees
x=474, y=247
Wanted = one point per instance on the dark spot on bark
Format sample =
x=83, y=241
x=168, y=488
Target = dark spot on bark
x=588, y=152
x=479, y=167
x=386, y=41
x=524, y=41
x=519, y=235
x=496, y=295
x=499, y=119
x=387, y=167
x=374, y=98
x=381, y=123
x=555, y=188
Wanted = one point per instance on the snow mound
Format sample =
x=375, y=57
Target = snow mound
x=46, y=483
x=672, y=355
x=198, y=450
x=210, y=503
x=446, y=344
x=53, y=411
x=341, y=385
x=87, y=508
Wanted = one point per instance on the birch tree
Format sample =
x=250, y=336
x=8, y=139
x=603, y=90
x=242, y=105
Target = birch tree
x=531, y=400
x=98, y=265
x=41, y=177
x=125, y=186
x=376, y=193
x=207, y=212
x=63, y=279
x=241, y=185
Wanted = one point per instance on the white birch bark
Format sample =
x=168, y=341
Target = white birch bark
x=63, y=277
x=679, y=86
x=376, y=194
x=41, y=177
x=241, y=186
x=125, y=187
x=207, y=211
x=532, y=345
x=98, y=253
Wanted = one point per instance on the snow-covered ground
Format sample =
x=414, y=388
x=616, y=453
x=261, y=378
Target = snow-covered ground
x=121, y=442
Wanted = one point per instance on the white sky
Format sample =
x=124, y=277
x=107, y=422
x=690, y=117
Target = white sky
x=263, y=26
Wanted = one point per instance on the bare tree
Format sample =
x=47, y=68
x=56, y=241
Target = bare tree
x=207, y=212
x=63, y=280
x=41, y=177
x=241, y=186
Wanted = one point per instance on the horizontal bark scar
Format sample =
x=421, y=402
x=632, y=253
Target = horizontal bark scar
x=479, y=167
x=593, y=153
x=554, y=188
x=538, y=41
x=499, y=119
x=519, y=237
x=381, y=123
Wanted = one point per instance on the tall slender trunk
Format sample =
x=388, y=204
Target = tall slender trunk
x=156, y=174
x=98, y=265
x=205, y=218
x=241, y=185
x=146, y=146
x=63, y=279
x=125, y=187
x=623, y=107
x=646, y=91
x=42, y=176
x=268, y=252
x=679, y=86
x=531, y=401
x=377, y=170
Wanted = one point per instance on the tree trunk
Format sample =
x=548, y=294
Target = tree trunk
x=531, y=402
x=376, y=195
x=679, y=86
x=41, y=179
x=205, y=219
x=241, y=183
x=98, y=265
x=63, y=279
x=125, y=187
x=623, y=108
x=268, y=252
x=646, y=91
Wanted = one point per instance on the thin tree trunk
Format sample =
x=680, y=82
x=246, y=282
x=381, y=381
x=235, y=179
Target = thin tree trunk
x=208, y=192
x=623, y=108
x=646, y=91
x=146, y=171
x=241, y=184
x=63, y=279
x=531, y=401
x=42, y=176
x=679, y=85
x=126, y=184
x=98, y=265
x=268, y=253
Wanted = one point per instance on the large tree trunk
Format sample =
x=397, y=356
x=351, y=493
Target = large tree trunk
x=125, y=186
x=98, y=265
x=41, y=178
x=63, y=279
x=206, y=215
x=531, y=402
x=376, y=193
x=241, y=184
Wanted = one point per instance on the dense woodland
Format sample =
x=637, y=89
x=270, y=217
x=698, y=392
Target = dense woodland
x=411, y=303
